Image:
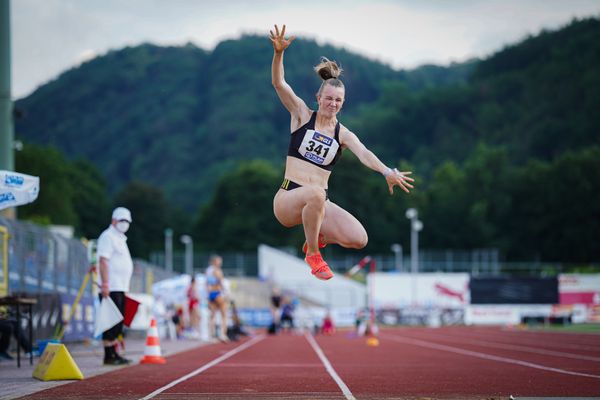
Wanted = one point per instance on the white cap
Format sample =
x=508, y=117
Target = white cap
x=120, y=213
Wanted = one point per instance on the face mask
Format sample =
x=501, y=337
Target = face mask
x=122, y=226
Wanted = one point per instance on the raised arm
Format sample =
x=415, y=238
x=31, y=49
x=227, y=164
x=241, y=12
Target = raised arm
x=294, y=104
x=393, y=177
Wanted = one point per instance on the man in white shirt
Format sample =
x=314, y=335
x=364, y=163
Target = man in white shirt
x=116, y=268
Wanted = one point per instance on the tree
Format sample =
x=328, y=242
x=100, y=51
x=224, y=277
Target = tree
x=150, y=213
x=71, y=193
x=446, y=208
x=556, y=215
x=54, y=204
x=364, y=194
x=240, y=214
x=488, y=176
x=90, y=198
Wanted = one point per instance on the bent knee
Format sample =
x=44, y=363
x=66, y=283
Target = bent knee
x=359, y=241
x=364, y=239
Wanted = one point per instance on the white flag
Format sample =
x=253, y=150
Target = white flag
x=17, y=189
x=108, y=316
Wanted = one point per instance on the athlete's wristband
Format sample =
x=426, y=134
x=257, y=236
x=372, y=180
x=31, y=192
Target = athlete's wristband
x=389, y=172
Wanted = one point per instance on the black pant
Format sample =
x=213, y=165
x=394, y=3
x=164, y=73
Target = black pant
x=286, y=320
x=8, y=327
x=115, y=331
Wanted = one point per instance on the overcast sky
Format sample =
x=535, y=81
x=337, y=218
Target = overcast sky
x=51, y=36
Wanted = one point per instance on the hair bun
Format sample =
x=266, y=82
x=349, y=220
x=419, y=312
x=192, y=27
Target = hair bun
x=328, y=69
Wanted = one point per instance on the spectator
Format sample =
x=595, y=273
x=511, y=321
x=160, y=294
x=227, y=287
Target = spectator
x=8, y=327
x=193, y=307
x=177, y=319
x=287, y=315
x=237, y=328
x=275, y=309
x=362, y=321
x=328, y=328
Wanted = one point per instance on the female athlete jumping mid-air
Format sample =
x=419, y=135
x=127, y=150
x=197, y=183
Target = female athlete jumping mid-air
x=316, y=145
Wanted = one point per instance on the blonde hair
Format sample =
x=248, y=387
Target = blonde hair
x=329, y=72
x=214, y=259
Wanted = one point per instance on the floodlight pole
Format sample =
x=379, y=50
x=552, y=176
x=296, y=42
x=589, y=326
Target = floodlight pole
x=189, y=253
x=169, y=249
x=415, y=227
x=397, y=249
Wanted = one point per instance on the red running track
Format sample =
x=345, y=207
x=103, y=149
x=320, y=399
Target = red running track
x=409, y=363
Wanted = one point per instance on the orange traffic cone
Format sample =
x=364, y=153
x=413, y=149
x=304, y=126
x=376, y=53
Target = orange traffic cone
x=152, y=350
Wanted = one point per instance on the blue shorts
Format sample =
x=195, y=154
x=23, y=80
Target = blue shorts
x=212, y=296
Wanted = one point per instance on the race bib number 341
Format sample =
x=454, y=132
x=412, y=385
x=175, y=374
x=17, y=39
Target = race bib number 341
x=318, y=148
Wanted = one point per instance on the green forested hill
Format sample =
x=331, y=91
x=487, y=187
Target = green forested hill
x=179, y=117
x=506, y=150
x=541, y=97
x=132, y=113
x=538, y=98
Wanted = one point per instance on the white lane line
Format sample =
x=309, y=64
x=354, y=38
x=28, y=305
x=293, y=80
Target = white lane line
x=534, y=350
x=214, y=362
x=485, y=356
x=269, y=365
x=271, y=395
x=347, y=393
x=528, y=340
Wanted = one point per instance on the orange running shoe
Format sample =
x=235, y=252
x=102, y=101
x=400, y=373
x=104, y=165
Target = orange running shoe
x=319, y=267
x=321, y=244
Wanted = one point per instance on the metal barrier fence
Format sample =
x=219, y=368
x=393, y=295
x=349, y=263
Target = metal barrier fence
x=3, y=261
x=475, y=262
x=234, y=263
x=145, y=274
x=40, y=261
x=33, y=260
x=36, y=261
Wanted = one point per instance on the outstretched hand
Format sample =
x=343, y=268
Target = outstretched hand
x=280, y=43
x=397, y=178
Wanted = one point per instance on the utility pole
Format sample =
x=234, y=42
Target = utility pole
x=189, y=254
x=397, y=249
x=415, y=227
x=169, y=249
x=7, y=161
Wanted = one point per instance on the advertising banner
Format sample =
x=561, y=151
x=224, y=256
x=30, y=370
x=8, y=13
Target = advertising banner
x=427, y=290
x=45, y=315
x=579, y=288
x=17, y=189
x=582, y=291
x=81, y=325
x=514, y=290
x=506, y=314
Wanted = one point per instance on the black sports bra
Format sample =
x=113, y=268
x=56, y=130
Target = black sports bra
x=314, y=147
